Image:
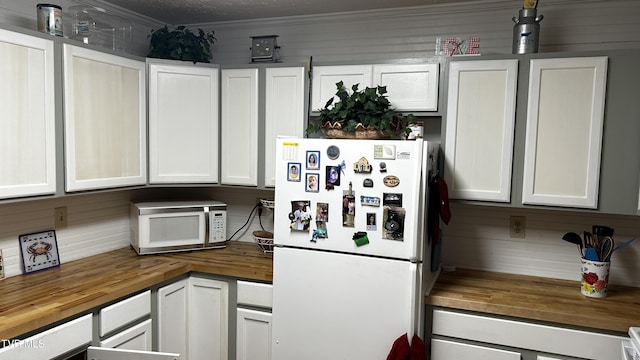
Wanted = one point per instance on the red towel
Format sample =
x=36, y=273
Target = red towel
x=418, y=349
x=400, y=349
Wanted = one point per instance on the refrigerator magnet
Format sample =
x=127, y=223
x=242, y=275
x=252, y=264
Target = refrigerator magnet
x=318, y=234
x=391, y=181
x=384, y=152
x=300, y=216
x=313, y=160
x=393, y=223
x=362, y=166
x=348, y=207
x=333, y=152
x=333, y=175
x=293, y=171
x=369, y=200
x=311, y=182
x=383, y=167
x=372, y=222
x=322, y=213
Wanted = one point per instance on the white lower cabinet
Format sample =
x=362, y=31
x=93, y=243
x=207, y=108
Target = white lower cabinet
x=446, y=349
x=57, y=341
x=253, y=325
x=458, y=335
x=137, y=337
x=125, y=317
x=193, y=318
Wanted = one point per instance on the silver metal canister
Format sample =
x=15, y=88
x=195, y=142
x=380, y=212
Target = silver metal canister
x=50, y=19
x=526, y=32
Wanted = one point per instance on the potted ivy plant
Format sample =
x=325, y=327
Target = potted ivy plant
x=361, y=114
x=181, y=44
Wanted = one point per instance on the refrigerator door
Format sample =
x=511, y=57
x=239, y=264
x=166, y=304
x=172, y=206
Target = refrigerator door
x=328, y=190
x=339, y=306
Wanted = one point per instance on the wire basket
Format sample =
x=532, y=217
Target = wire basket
x=264, y=240
x=269, y=204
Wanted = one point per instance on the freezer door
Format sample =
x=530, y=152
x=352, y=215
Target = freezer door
x=352, y=186
x=339, y=306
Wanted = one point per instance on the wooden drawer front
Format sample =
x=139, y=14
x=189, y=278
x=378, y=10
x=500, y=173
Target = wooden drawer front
x=446, y=350
x=125, y=312
x=544, y=338
x=53, y=342
x=255, y=294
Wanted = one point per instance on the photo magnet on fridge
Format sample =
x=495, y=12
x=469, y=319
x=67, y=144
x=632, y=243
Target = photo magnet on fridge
x=313, y=160
x=293, y=171
x=393, y=223
x=300, y=215
x=311, y=182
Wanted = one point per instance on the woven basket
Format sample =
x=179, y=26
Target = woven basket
x=264, y=240
x=334, y=131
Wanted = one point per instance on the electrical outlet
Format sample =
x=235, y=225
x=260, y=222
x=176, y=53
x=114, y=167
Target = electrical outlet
x=518, y=226
x=60, y=217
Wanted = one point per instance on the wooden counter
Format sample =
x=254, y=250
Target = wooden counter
x=29, y=302
x=536, y=298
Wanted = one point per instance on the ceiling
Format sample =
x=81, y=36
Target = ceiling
x=185, y=12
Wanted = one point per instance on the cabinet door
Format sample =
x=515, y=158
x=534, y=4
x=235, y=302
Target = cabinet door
x=326, y=77
x=51, y=343
x=208, y=309
x=480, y=129
x=564, y=131
x=253, y=339
x=445, y=350
x=239, y=140
x=27, y=139
x=183, y=124
x=172, y=318
x=137, y=337
x=409, y=87
x=284, y=112
x=105, y=120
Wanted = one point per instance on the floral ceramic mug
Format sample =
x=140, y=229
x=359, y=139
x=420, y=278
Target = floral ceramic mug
x=595, y=278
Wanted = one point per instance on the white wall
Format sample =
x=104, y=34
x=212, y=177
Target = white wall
x=477, y=237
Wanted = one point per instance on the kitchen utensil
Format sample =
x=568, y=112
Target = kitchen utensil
x=605, y=249
x=620, y=246
x=574, y=239
x=591, y=254
x=588, y=239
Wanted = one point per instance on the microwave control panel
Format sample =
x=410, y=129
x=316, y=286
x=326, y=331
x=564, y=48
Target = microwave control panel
x=218, y=225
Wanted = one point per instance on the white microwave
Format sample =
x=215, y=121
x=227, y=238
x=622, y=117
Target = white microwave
x=169, y=226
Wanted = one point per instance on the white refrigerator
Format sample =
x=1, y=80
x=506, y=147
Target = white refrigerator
x=351, y=259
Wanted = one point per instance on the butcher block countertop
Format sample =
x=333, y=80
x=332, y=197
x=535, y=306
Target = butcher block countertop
x=536, y=298
x=29, y=302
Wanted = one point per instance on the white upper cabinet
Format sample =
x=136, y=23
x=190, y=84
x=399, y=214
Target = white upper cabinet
x=239, y=140
x=480, y=129
x=105, y=120
x=183, y=123
x=27, y=138
x=564, y=131
x=284, y=111
x=325, y=79
x=409, y=87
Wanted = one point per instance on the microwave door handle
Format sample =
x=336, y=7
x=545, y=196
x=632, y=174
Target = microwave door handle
x=207, y=220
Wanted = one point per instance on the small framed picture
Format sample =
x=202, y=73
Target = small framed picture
x=39, y=251
x=293, y=171
x=312, y=181
x=313, y=160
